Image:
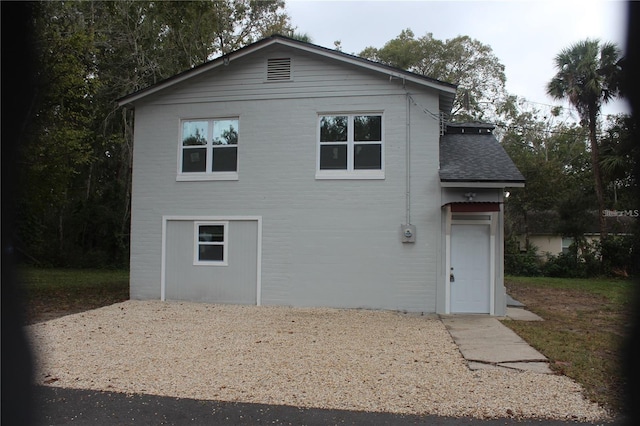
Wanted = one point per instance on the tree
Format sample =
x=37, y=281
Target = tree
x=77, y=174
x=61, y=134
x=588, y=75
x=461, y=60
x=553, y=159
x=305, y=37
x=618, y=153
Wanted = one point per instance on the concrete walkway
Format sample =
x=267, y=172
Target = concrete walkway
x=519, y=314
x=488, y=344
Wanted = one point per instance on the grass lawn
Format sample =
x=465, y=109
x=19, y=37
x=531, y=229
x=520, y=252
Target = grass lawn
x=586, y=321
x=52, y=293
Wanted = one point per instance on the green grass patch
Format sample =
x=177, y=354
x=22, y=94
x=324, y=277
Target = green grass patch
x=586, y=321
x=617, y=290
x=51, y=293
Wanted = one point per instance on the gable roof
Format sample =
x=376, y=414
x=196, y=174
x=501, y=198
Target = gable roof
x=446, y=91
x=470, y=154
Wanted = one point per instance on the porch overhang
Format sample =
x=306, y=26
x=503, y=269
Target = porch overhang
x=474, y=207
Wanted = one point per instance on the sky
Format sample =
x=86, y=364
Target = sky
x=524, y=35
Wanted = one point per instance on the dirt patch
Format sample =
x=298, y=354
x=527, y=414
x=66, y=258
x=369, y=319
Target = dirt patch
x=56, y=306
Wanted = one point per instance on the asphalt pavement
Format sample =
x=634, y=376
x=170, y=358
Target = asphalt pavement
x=60, y=406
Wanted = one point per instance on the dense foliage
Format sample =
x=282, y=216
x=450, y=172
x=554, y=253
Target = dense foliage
x=576, y=171
x=76, y=161
x=575, y=162
x=588, y=75
x=462, y=60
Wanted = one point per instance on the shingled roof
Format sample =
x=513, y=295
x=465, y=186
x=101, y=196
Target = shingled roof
x=470, y=153
x=548, y=222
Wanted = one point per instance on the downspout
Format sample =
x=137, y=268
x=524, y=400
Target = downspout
x=408, y=159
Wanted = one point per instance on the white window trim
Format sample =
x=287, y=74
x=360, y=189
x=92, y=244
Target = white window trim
x=564, y=249
x=207, y=175
x=225, y=243
x=350, y=173
x=190, y=177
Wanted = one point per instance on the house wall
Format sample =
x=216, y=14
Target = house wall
x=546, y=244
x=324, y=242
x=550, y=244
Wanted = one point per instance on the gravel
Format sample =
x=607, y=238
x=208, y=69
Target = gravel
x=308, y=357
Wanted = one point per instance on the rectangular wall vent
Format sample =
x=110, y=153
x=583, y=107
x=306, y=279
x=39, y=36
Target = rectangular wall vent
x=279, y=69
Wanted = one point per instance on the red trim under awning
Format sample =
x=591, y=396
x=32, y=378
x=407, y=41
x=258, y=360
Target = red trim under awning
x=474, y=207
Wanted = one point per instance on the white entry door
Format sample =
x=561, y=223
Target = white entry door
x=470, y=285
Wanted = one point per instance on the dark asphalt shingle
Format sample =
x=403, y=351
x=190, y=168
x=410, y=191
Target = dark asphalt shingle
x=475, y=157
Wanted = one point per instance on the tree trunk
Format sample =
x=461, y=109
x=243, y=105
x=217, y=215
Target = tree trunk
x=128, y=166
x=527, y=244
x=597, y=176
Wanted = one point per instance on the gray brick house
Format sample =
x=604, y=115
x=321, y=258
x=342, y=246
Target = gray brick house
x=285, y=173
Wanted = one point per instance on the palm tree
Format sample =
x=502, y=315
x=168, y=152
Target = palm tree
x=589, y=75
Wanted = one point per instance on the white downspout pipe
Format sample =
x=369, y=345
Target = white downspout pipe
x=408, y=159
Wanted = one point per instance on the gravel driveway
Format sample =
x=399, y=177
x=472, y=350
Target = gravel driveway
x=325, y=358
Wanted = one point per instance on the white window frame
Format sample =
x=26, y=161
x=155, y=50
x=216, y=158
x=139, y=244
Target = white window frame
x=208, y=174
x=224, y=244
x=350, y=172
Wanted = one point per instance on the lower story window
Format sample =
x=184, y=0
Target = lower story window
x=566, y=245
x=211, y=243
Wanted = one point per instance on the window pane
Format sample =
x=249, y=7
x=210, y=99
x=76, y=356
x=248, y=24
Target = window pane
x=194, y=160
x=194, y=133
x=367, y=156
x=333, y=157
x=225, y=159
x=211, y=253
x=225, y=132
x=333, y=129
x=367, y=128
x=211, y=233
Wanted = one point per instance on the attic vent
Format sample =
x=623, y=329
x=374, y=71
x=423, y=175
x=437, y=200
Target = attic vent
x=279, y=69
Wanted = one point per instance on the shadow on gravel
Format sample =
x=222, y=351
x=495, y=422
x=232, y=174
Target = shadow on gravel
x=60, y=406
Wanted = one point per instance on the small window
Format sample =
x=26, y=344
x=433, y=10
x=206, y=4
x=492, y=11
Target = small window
x=350, y=146
x=210, y=243
x=209, y=149
x=566, y=244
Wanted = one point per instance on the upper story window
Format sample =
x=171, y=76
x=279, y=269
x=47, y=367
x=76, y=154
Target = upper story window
x=350, y=146
x=209, y=149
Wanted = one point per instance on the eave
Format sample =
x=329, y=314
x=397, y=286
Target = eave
x=481, y=184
